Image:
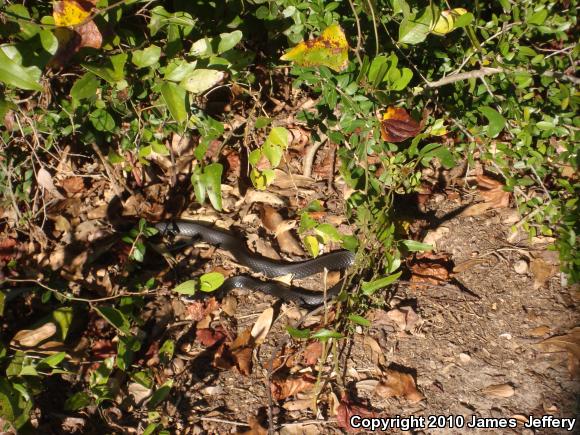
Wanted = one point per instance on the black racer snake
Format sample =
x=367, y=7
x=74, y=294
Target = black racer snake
x=336, y=260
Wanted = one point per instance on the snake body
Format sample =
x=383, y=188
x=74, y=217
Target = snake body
x=336, y=260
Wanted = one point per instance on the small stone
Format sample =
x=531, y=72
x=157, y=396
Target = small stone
x=521, y=267
x=464, y=358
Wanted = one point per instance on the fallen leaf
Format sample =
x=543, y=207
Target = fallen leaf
x=139, y=392
x=31, y=337
x=255, y=427
x=241, y=350
x=398, y=384
x=493, y=193
x=312, y=352
x=44, y=180
x=7, y=250
x=262, y=326
x=539, y=331
x=199, y=309
x=542, y=272
x=397, y=125
x=329, y=49
x=102, y=349
x=569, y=342
x=209, y=337
x=404, y=317
x=431, y=268
x=73, y=185
x=290, y=386
x=499, y=390
x=377, y=354
x=347, y=409
x=300, y=428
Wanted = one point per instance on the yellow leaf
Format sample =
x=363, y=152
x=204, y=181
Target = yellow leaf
x=69, y=13
x=329, y=49
x=445, y=23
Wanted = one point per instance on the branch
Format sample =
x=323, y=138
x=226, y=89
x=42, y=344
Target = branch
x=481, y=73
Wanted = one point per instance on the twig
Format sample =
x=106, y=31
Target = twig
x=219, y=420
x=310, y=155
x=374, y=27
x=358, y=32
x=110, y=171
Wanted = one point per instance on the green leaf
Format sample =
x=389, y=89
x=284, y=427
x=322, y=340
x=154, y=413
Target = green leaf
x=63, y=316
x=359, y=320
x=160, y=395
x=146, y=57
x=414, y=246
x=77, y=401
x=113, y=71
x=298, y=333
x=179, y=69
x=413, y=30
x=159, y=18
x=102, y=120
x=212, y=178
x=53, y=360
x=311, y=244
x=328, y=231
x=116, y=318
x=538, y=18
x=200, y=80
x=262, y=121
x=496, y=121
x=368, y=288
x=229, y=41
x=278, y=136
x=175, y=97
x=187, y=287
x=48, y=41
x=15, y=75
x=2, y=304
x=402, y=82
x=85, y=87
x=326, y=334
x=273, y=153
x=211, y=281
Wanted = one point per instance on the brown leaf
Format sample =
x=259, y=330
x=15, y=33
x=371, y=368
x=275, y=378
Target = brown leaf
x=7, y=250
x=198, y=310
x=262, y=326
x=404, y=317
x=312, y=352
x=102, y=349
x=542, y=271
x=377, y=354
x=284, y=388
x=241, y=351
x=44, y=180
x=31, y=337
x=399, y=384
x=255, y=427
x=397, y=125
x=431, y=268
x=493, y=194
x=499, y=390
x=73, y=185
x=208, y=337
x=347, y=409
x=569, y=342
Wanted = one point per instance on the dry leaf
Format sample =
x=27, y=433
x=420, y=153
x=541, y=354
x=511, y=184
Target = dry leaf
x=377, y=354
x=44, y=180
x=262, y=326
x=198, y=310
x=208, y=337
x=284, y=388
x=312, y=352
x=30, y=338
x=347, y=409
x=404, y=317
x=73, y=185
x=397, y=125
x=542, y=272
x=500, y=390
x=241, y=351
x=300, y=428
x=399, y=384
x=493, y=194
x=570, y=343
x=255, y=427
x=539, y=331
x=431, y=268
x=7, y=250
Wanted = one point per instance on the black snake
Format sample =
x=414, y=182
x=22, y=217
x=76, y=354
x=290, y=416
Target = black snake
x=336, y=260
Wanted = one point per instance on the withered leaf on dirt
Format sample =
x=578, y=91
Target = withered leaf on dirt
x=569, y=342
x=209, y=337
x=542, y=271
x=73, y=185
x=499, y=390
x=431, y=268
x=376, y=352
x=7, y=250
x=198, y=310
x=290, y=386
x=255, y=427
x=241, y=351
x=493, y=194
x=397, y=125
x=44, y=180
x=312, y=352
x=398, y=384
x=404, y=317
x=262, y=326
x=347, y=409
x=31, y=337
